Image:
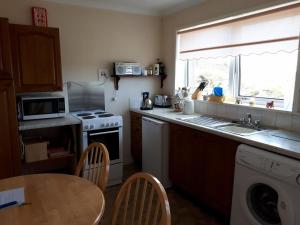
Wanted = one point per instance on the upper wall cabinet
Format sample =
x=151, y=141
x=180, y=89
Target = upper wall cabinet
x=5, y=53
x=36, y=58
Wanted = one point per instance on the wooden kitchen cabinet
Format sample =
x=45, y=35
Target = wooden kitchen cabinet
x=10, y=163
x=219, y=172
x=202, y=164
x=136, y=137
x=184, y=151
x=5, y=53
x=36, y=58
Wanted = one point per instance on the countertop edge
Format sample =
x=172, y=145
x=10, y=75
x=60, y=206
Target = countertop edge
x=68, y=120
x=249, y=140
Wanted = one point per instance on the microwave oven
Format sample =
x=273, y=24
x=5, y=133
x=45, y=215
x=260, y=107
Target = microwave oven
x=41, y=107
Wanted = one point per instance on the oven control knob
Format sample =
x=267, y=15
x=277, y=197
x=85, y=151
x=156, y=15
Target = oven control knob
x=107, y=124
x=102, y=125
x=91, y=126
x=116, y=124
x=112, y=124
x=86, y=127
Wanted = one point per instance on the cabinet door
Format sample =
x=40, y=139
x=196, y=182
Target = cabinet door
x=36, y=58
x=202, y=164
x=136, y=137
x=10, y=163
x=219, y=175
x=5, y=53
x=178, y=157
x=186, y=159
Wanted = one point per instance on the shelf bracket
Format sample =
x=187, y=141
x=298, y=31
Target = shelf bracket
x=117, y=79
x=162, y=78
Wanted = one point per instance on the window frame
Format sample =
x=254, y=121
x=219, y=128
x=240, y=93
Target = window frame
x=235, y=84
x=246, y=99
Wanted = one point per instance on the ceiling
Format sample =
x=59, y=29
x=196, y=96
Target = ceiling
x=147, y=7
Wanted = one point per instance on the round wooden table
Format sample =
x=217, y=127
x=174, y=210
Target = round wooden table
x=54, y=199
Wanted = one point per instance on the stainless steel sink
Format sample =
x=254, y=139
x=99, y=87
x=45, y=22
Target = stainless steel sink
x=239, y=129
x=223, y=125
x=204, y=121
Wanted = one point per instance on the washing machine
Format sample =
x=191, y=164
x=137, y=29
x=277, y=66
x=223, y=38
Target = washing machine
x=266, y=188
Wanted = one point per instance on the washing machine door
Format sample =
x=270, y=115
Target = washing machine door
x=267, y=204
x=262, y=201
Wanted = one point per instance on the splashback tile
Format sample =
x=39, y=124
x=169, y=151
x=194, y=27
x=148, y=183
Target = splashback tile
x=269, y=118
x=283, y=121
x=212, y=109
x=296, y=123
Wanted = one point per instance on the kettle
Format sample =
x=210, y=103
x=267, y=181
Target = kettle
x=148, y=103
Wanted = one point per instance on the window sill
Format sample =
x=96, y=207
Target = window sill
x=256, y=107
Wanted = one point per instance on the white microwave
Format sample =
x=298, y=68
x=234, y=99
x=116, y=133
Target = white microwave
x=41, y=107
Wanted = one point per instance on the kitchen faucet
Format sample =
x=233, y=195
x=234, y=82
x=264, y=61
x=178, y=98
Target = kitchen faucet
x=249, y=118
x=249, y=122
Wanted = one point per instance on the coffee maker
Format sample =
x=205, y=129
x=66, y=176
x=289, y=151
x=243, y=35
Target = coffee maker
x=146, y=103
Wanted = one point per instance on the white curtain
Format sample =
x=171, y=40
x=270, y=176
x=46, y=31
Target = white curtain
x=277, y=25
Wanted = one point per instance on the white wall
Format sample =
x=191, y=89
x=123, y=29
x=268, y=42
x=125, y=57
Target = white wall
x=92, y=38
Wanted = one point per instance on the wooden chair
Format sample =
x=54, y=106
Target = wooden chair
x=94, y=165
x=142, y=200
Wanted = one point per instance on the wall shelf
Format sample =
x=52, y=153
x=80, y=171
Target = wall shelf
x=117, y=78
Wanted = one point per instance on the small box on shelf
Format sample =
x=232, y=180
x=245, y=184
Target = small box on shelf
x=35, y=151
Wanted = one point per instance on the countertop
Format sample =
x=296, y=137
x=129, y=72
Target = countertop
x=45, y=123
x=263, y=140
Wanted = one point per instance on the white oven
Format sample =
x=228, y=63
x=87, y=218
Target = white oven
x=112, y=138
x=86, y=102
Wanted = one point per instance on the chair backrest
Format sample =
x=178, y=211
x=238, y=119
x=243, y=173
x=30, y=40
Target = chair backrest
x=142, y=200
x=94, y=165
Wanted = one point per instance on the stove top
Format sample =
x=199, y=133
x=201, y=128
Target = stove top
x=88, y=117
x=83, y=114
x=100, y=112
x=98, y=119
x=105, y=115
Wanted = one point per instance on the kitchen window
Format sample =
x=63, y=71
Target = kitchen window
x=253, y=56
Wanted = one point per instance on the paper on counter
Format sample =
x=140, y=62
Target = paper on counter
x=12, y=195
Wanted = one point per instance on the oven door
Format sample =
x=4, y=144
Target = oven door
x=111, y=139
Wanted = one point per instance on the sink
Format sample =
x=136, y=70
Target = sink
x=204, y=121
x=239, y=129
x=220, y=124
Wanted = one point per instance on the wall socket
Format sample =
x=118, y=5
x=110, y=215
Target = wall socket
x=102, y=73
